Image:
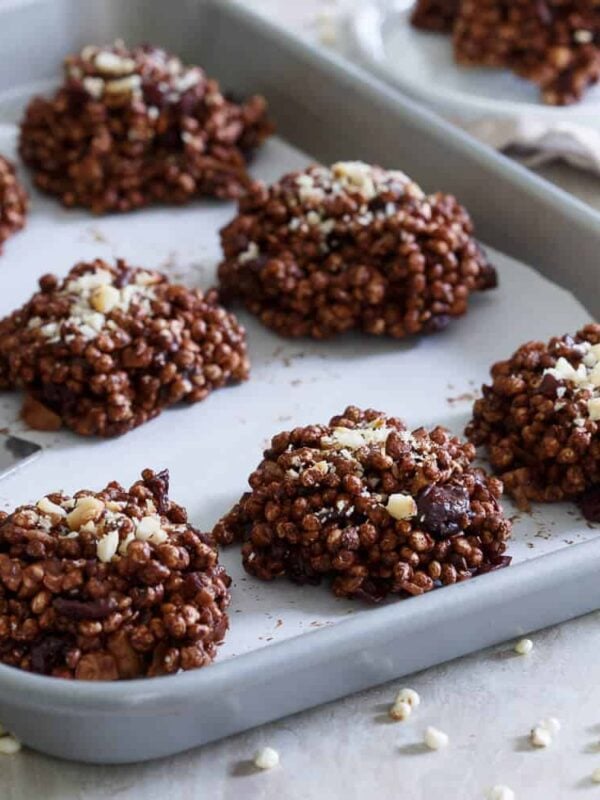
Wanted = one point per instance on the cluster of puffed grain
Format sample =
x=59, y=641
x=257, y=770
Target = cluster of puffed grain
x=353, y=246
x=553, y=43
x=110, y=347
x=13, y=201
x=132, y=127
x=373, y=507
x=108, y=585
x=540, y=420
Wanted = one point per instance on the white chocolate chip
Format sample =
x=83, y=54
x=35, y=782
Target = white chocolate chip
x=540, y=737
x=523, y=647
x=401, y=506
x=104, y=298
x=500, y=792
x=266, y=758
x=435, y=739
x=106, y=547
x=86, y=509
x=400, y=710
x=9, y=745
x=409, y=696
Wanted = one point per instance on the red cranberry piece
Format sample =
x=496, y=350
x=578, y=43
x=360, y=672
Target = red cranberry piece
x=444, y=510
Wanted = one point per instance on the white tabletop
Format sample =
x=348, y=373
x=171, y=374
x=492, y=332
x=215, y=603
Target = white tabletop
x=486, y=703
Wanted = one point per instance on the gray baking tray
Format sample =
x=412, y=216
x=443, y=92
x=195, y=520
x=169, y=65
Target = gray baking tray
x=290, y=647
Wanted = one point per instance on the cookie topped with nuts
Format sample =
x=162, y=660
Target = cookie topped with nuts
x=539, y=420
x=353, y=246
x=109, y=347
x=131, y=127
x=373, y=507
x=109, y=585
x=13, y=201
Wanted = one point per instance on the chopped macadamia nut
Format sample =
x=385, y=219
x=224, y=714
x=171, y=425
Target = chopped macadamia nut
x=9, y=745
x=108, y=545
x=266, y=758
x=46, y=506
x=523, y=647
x=435, y=739
x=401, y=506
x=540, y=737
x=86, y=509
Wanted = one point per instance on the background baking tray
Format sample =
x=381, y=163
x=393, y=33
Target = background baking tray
x=292, y=647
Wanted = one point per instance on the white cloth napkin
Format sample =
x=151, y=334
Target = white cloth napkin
x=541, y=141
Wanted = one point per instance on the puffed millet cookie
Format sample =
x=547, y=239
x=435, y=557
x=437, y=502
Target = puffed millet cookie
x=109, y=585
x=539, y=421
x=109, y=347
x=435, y=15
x=353, y=246
x=14, y=203
x=370, y=506
x=129, y=128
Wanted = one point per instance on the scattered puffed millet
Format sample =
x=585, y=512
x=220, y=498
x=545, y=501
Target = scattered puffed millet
x=596, y=775
x=9, y=745
x=523, y=647
x=409, y=696
x=500, y=792
x=540, y=737
x=110, y=347
x=400, y=710
x=353, y=246
x=131, y=127
x=266, y=758
x=318, y=509
x=435, y=739
x=539, y=421
x=109, y=585
x=14, y=202
x=551, y=724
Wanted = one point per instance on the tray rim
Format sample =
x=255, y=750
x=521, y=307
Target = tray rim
x=158, y=695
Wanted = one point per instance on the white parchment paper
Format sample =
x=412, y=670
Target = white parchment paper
x=211, y=448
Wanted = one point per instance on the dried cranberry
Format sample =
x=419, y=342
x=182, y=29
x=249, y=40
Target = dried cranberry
x=85, y=609
x=589, y=504
x=488, y=276
x=437, y=323
x=48, y=653
x=549, y=386
x=444, y=510
x=159, y=486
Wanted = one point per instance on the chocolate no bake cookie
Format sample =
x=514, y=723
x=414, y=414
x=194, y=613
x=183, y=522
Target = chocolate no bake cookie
x=128, y=128
x=13, y=201
x=435, y=15
x=553, y=43
x=539, y=421
x=109, y=347
x=109, y=585
x=376, y=509
x=353, y=246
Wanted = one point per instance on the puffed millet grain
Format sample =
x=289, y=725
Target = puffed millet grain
x=523, y=647
x=266, y=758
x=551, y=724
x=400, y=711
x=9, y=745
x=410, y=696
x=596, y=775
x=500, y=792
x=540, y=737
x=435, y=739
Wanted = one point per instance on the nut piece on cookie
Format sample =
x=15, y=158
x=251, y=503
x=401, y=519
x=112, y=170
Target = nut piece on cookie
x=352, y=246
x=132, y=127
x=307, y=523
x=84, y=596
x=14, y=203
x=110, y=347
x=538, y=421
